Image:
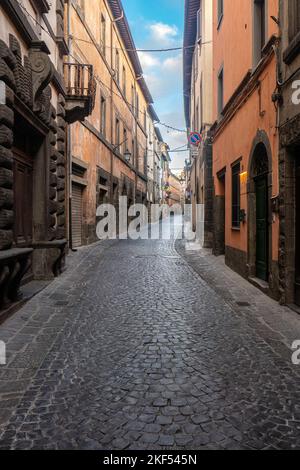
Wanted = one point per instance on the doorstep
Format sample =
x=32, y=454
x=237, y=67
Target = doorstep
x=260, y=284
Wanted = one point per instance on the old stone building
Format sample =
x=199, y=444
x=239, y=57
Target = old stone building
x=109, y=149
x=35, y=106
x=198, y=98
x=246, y=139
x=289, y=156
x=153, y=159
x=175, y=190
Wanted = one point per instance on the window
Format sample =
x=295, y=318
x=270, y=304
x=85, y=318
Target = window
x=137, y=106
x=199, y=24
x=117, y=141
x=196, y=64
x=103, y=36
x=103, y=116
x=259, y=29
x=197, y=128
x=236, y=196
x=37, y=23
x=133, y=152
x=201, y=104
x=220, y=11
x=81, y=4
x=294, y=18
x=124, y=82
x=124, y=140
x=132, y=98
x=220, y=92
x=145, y=120
x=117, y=66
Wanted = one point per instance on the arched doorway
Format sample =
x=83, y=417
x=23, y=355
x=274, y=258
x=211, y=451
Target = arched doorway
x=259, y=200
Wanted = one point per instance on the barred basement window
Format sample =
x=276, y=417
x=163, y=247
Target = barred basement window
x=236, y=195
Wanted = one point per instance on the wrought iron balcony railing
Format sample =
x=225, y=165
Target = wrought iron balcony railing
x=81, y=91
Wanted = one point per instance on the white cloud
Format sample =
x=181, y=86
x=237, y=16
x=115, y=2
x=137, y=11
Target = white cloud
x=148, y=60
x=163, y=34
x=172, y=63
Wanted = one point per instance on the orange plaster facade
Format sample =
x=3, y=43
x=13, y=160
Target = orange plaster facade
x=248, y=121
x=107, y=172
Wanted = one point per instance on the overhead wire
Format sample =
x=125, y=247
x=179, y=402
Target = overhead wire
x=125, y=50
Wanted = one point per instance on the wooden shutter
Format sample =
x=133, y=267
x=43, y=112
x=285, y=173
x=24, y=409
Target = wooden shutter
x=76, y=216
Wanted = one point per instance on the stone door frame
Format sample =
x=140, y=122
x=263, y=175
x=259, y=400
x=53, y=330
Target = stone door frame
x=260, y=139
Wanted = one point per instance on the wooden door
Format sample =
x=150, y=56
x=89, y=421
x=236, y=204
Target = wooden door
x=262, y=231
x=23, y=198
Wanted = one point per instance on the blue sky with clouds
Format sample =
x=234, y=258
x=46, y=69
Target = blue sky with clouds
x=159, y=24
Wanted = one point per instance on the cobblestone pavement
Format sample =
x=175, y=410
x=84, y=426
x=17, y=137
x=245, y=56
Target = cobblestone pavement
x=132, y=349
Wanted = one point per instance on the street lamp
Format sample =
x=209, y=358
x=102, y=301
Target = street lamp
x=127, y=156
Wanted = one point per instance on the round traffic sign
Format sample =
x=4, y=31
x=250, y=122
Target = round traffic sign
x=195, y=138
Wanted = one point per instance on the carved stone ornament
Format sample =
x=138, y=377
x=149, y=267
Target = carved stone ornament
x=42, y=70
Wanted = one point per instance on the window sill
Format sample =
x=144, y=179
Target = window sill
x=236, y=229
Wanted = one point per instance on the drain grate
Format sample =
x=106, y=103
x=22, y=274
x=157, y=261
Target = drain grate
x=243, y=304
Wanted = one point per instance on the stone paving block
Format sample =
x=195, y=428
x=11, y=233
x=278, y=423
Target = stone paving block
x=149, y=364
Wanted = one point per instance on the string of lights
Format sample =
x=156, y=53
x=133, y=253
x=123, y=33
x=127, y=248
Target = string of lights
x=134, y=108
x=169, y=49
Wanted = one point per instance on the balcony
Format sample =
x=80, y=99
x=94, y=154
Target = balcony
x=81, y=91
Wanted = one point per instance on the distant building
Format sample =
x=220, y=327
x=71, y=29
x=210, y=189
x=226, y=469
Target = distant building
x=175, y=190
x=109, y=149
x=165, y=166
x=198, y=100
x=153, y=158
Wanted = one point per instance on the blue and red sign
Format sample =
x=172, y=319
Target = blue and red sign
x=195, y=138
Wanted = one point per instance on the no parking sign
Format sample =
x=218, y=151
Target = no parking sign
x=195, y=138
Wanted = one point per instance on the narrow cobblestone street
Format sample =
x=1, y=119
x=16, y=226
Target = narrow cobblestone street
x=132, y=349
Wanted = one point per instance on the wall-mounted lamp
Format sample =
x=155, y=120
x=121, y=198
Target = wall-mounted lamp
x=127, y=156
x=243, y=216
